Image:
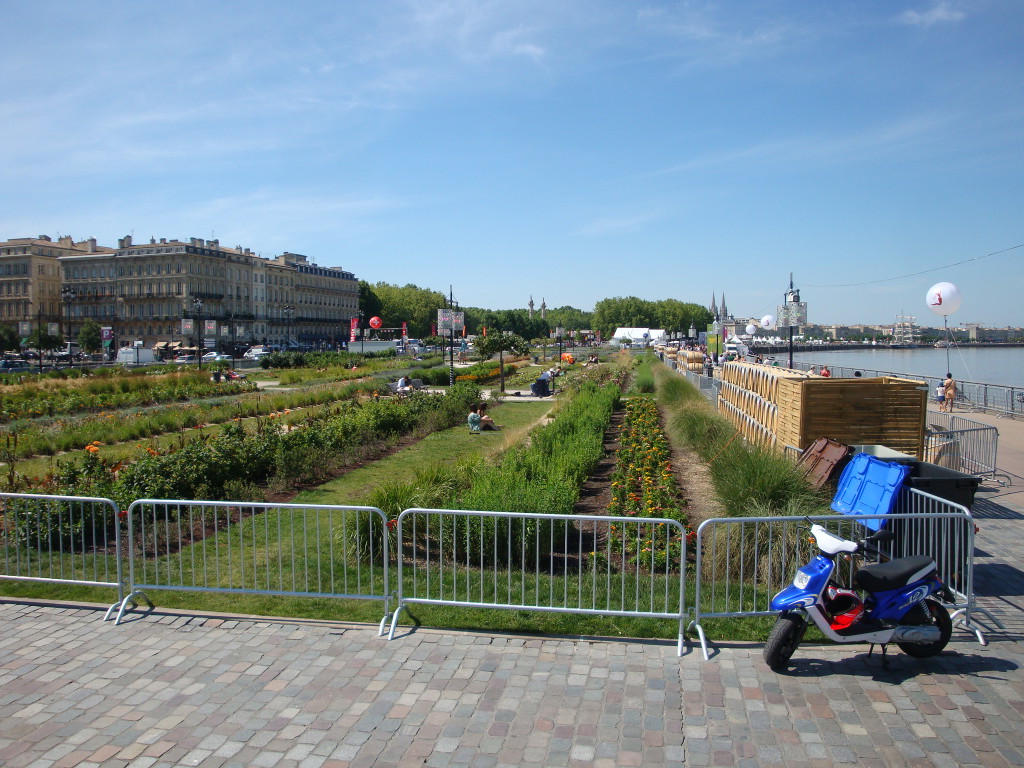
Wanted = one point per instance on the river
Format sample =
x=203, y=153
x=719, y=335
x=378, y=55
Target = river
x=986, y=365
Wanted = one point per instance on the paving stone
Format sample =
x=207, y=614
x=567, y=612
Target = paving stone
x=167, y=689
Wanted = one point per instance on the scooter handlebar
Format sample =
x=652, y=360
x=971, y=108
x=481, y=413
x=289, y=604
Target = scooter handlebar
x=870, y=544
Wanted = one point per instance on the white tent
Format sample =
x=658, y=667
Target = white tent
x=638, y=335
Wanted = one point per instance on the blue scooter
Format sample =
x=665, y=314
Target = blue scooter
x=900, y=605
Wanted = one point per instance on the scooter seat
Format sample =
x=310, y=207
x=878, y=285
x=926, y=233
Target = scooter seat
x=879, y=577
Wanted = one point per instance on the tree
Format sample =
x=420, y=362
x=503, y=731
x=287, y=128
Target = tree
x=90, y=337
x=410, y=304
x=630, y=312
x=498, y=343
x=543, y=342
x=8, y=338
x=43, y=341
x=369, y=302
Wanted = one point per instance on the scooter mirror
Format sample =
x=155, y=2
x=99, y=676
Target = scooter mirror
x=882, y=535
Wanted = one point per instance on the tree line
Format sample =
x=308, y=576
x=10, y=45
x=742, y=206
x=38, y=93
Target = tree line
x=418, y=308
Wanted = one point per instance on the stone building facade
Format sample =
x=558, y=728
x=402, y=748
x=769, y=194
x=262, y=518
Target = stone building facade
x=169, y=293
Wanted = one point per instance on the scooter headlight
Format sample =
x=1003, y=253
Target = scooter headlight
x=801, y=580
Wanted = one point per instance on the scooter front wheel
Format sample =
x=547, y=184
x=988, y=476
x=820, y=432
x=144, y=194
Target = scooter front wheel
x=784, y=639
x=928, y=612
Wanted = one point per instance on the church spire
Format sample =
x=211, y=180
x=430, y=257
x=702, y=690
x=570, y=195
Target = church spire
x=714, y=307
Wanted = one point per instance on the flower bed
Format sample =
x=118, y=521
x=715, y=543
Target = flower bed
x=643, y=484
x=55, y=398
x=237, y=463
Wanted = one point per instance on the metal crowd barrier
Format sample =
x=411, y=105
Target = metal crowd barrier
x=706, y=385
x=970, y=395
x=962, y=444
x=61, y=539
x=613, y=566
x=580, y=564
x=743, y=562
x=306, y=550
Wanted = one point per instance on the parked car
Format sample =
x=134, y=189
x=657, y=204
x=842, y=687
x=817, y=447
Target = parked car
x=14, y=365
x=185, y=359
x=212, y=357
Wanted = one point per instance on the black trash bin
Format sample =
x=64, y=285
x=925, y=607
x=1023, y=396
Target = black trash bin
x=943, y=482
x=944, y=540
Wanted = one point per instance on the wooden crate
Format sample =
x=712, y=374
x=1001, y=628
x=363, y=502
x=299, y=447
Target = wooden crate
x=780, y=406
x=880, y=411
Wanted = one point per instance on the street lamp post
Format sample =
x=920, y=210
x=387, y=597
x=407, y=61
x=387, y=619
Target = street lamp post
x=289, y=313
x=39, y=336
x=69, y=295
x=197, y=304
x=231, y=320
x=558, y=365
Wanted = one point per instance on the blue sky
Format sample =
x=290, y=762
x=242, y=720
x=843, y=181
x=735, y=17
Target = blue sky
x=570, y=151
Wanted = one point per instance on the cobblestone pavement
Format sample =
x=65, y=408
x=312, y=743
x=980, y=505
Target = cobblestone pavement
x=169, y=689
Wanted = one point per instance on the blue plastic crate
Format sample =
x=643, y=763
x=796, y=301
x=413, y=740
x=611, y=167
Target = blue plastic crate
x=868, y=486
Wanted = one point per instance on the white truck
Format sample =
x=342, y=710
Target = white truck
x=136, y=356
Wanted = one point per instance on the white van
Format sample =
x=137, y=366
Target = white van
x=255, y=353
x=136, y=356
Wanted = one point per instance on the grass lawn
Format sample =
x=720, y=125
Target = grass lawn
x=353, y=488
x=438, y=448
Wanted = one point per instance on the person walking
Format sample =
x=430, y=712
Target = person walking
x=949, y=387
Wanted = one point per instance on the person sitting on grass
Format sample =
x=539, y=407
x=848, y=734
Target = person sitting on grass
x=474, y=418
x=486, y=422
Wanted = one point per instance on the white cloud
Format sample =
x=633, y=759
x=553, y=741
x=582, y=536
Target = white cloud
x=938, y=13
x=814, y=151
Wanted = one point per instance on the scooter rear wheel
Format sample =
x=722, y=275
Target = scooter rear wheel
x=784, y=639
x=930, y=612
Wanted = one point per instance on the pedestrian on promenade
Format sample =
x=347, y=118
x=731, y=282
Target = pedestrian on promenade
x=949, y=385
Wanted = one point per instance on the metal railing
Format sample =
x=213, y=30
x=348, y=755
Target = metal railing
x=581, y=564
x=970, y=395
x=61, y=539
x=706, y=385
x=962, y=444
x=743, y=562
x=600, y=565
x=306, y=550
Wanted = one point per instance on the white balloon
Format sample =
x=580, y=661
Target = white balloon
x=944, y=299
x=751, y=329
x=768, y=322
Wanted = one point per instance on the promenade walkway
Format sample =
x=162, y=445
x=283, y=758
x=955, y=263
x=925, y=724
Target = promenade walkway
x=169, y=689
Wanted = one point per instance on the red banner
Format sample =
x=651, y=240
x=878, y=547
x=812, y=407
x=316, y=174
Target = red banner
x=352, y=330
x=405, y=330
